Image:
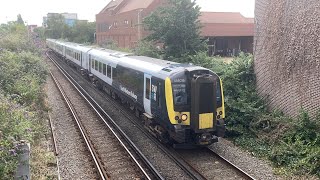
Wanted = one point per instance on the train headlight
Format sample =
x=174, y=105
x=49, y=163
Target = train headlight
x=203, y=136
x=184, y=117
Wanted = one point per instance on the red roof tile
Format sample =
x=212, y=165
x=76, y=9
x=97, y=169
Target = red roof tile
x=111, y=5
x=223, y=17
x=134, y=4
x=225, y=24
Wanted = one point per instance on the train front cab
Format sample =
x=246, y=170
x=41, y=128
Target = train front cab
x=197, y=119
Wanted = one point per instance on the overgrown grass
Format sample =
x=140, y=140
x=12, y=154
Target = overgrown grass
x=22, y=73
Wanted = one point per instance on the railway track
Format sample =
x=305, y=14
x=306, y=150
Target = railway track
x=190, y=168
x=241, y=171
x=121, y=159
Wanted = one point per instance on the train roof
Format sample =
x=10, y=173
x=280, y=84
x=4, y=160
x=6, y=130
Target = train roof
x=78, y=47
x=158, y=67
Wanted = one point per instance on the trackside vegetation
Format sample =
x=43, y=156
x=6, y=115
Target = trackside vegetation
x=291, y=144
x=22, y=74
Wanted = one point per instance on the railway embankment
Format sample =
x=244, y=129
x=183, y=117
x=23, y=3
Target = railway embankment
x=23, y=117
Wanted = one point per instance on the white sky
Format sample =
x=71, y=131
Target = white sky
x=32, y=11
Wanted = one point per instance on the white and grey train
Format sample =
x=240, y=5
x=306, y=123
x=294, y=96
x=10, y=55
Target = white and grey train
x=180, y=103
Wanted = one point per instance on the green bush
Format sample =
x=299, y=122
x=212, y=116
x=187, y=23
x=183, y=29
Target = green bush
x=299, y=147
x=146, y=48
x=15, y=124
x=216, y=64
x=22, y=73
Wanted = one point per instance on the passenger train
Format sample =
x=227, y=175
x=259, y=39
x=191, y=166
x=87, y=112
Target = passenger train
x=179, y=103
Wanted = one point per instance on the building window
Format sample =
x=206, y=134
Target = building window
x=126, y=23
x=115, y=24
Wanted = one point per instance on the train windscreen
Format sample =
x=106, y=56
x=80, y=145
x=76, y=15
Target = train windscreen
x=206, y=105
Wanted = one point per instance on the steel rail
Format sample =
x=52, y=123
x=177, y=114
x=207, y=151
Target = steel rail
x=230, y=163
x=100, y=112
x=103, y=174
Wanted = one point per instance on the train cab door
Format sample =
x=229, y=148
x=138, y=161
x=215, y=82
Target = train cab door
x=147, y=94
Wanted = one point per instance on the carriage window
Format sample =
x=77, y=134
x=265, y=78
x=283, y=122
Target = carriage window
x=179, y=94
x=100, y=67
x=109, y=71
x=104, y=69
x=96, y=66
x=92, y=63
x=158, y=94
x=219, y=96
x=147, y=88
x=114, y=73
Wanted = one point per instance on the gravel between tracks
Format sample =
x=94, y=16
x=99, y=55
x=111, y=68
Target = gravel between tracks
x=257, y=168
x=74, y=162
x=210, y=166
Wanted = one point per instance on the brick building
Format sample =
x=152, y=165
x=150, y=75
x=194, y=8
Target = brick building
x=287, y=54
x=228, y=32
x=121, y=22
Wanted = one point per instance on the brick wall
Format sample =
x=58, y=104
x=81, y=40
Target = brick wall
x=287, y=54
x=125, y=35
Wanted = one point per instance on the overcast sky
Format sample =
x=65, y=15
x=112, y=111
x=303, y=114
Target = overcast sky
x=32, y=11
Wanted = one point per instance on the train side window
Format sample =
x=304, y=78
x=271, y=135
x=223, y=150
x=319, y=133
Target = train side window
x=100, y=67
x=109, y=71
x=92, y=63
x=147, y=88
x=104, y=69
x=114, y=73
x=158, y=94
x=96, y=66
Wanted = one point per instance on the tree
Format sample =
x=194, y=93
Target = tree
x=56, y=27
x=83, y=32
x=80, y=32
x=20, y=20
x=177, y=27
